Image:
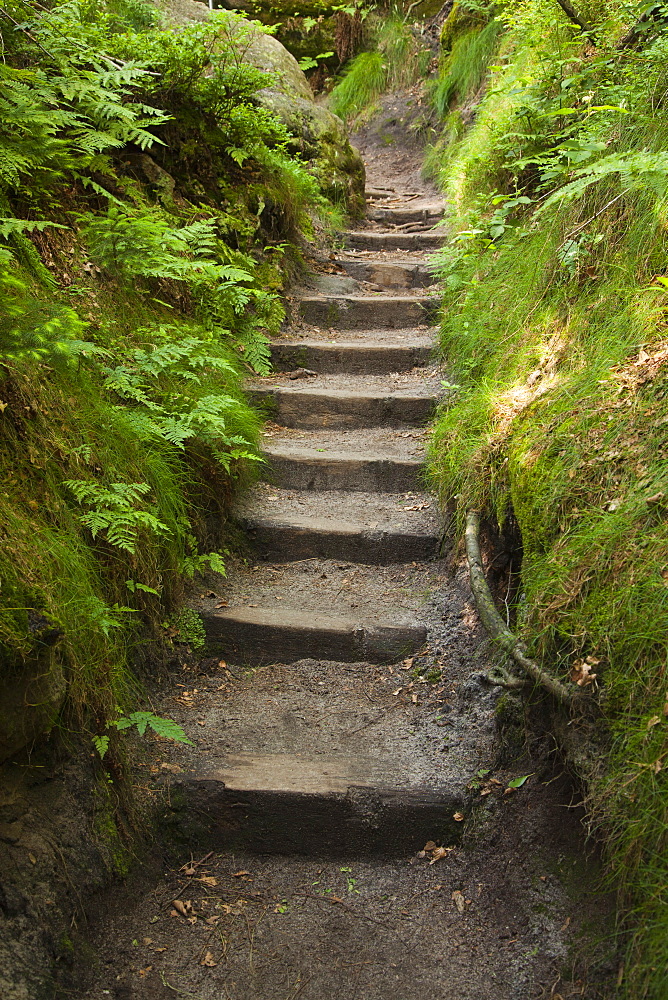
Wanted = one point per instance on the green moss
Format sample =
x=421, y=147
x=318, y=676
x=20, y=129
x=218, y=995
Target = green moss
x=556, y=337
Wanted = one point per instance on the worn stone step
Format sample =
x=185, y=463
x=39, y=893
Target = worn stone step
x=317, y=758
x=378, y=241
x=349, y=401
x=390, y=274
x=374, y=460
x=303, y=537
x=323, y=807
x=306, y=469
x=369, y=528
x=427, y=215
x=375, y=356
x=267, y=634
x=368, y=311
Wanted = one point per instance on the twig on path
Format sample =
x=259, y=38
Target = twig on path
x=349, y=909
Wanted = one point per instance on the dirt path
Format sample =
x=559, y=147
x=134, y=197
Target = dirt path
x=346, y=824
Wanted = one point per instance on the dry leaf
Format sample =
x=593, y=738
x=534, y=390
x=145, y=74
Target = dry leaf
x=439, y=853
x=657, y=766
x=459, y=901
x=458, y=817
x=654, y=721
x=209, y=961
x=581, y=672
x=430, y=846
x=208, y=880
x=239, y=874
x=185, y=909
x=147, y=940
x=159, y=950
x=408, y=663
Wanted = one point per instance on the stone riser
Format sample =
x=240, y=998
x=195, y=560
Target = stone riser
x=389, y=275
x=259, y=635
x=311, y=410
x=309, y=470
x=364, y=240
x=404, y=216
x=353, y=359
x=327, y=539
x=379, y=312
x=365, y=821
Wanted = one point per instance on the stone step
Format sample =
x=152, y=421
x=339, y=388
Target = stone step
x=368, y=311
x=326, y=538
x=371, y=460
x=364, y=239
x=375, y=356
x=322, y=807
x=306, y=469
x=390, y=274
x=427, y=215
x=267, y=634
x=374, y=529
x=349, y=401
x=319, y=759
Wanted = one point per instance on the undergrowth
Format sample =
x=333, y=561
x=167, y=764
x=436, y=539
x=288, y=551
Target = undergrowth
x=147, y=201
x=555, y=333
x=396, y=59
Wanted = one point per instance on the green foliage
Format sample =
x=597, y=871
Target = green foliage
x=465, y=66
x=141, y=721
x=187, y=627
x=398, y=59
x=114, y=511
x=554, y=330
x=31, y=328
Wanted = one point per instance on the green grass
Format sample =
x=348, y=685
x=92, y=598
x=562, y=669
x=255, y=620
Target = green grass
x=398, y=60
x=560, y=419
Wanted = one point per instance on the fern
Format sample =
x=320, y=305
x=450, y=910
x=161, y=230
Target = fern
x=166, y=728
x=114, y=511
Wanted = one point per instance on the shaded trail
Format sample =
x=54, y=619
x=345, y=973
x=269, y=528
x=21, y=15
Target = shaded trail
x=320, y=776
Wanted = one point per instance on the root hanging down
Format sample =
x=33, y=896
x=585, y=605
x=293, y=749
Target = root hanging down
x=497, y=629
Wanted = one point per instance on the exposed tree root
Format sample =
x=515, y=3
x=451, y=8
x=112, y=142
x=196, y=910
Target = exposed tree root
x=497, y=628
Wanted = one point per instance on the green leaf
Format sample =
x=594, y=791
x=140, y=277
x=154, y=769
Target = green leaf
x=518, y=782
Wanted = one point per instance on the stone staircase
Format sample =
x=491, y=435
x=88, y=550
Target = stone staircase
x=347, y=571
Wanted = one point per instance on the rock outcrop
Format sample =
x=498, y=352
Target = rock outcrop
x=320, y=136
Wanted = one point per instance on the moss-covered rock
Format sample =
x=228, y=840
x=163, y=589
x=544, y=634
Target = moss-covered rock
x=320, y=135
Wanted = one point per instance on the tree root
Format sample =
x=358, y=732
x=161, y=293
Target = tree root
x=497, y=629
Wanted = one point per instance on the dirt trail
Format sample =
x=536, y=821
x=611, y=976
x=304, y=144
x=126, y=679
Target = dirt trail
x=346, y=824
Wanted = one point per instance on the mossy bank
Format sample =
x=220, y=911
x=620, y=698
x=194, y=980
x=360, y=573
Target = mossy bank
x=153, y=207
x=553, y=158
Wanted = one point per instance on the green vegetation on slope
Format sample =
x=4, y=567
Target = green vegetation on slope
x=145, y=195
x=396, y=58
x=554, y=329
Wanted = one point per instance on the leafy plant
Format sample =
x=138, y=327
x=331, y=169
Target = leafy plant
x=114, y=511
x=141, y=721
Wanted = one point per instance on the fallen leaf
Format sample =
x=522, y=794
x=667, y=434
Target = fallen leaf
x=185, y=909
x=209, y=961
x=221, y=604
x=654, y=721
x=239, y=874
x=143, y=972
x=565, y=923
x=201, y=722
x=439, y=854
x=458, y=817
x=212, y=921
x=581, y=672
x=208, y=880
x=147, y=940
x=459, y=901
x=222, y=664
x=408, y=663
x=430, y=846
x=657, y=766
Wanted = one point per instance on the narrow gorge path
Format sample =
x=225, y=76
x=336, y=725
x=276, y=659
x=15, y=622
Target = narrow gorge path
x=344, y=736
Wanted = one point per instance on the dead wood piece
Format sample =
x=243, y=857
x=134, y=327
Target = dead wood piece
x=494, y=624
